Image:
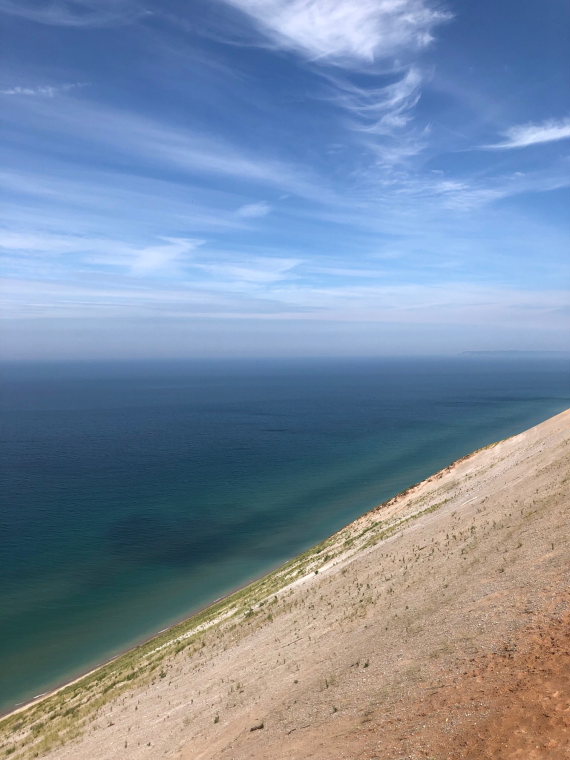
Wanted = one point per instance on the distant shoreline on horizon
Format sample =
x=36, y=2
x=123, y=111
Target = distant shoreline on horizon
x=518, y=353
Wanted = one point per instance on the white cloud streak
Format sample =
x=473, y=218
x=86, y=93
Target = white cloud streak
x=75, y=13
x=254, y=210
x=156, y=143
x=99, y=251
x=383, y=116
x=355, y=36
x=45, y=91
x=344, y=31
x=27, y=252
x=156, y=257
x=524, y=135
x=112, y=200
x=358, y=36
x=254, y=271
x=380, y=110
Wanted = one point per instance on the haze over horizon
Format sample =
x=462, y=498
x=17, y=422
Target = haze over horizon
x=284, y=177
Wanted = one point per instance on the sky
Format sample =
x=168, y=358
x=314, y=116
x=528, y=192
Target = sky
x=189, y=178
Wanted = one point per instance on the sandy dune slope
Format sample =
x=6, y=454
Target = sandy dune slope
x=436, y=626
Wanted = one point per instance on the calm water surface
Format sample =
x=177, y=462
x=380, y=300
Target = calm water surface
x=133, y=494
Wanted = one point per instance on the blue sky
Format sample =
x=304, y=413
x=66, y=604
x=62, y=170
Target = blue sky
x=283, y=177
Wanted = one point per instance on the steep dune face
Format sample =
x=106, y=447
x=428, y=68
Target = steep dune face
x=433, y=626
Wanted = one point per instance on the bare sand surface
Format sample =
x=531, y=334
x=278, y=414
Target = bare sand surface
x=435, y=626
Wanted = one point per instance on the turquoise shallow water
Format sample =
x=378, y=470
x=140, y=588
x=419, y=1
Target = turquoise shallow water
x=133, y=494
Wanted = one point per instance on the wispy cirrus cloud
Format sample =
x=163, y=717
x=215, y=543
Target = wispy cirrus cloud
x=101, y=252
x=370, y=36
x=75, y=13
x=155, y=257
x=42, y=91
x=39, y=242
x=157, y=143
x=382, y=110
x=254, y=270
x=254, y=210
x=437, y=192
x=345, y=31
x=113, y=200
x=105, y=255
x=382, y=115
x=524, y=135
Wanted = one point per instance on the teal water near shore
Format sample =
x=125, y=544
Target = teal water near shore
x=134, y=494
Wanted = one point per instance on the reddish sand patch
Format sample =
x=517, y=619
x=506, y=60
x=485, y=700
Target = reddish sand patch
x=527, y=694
x=512, y=704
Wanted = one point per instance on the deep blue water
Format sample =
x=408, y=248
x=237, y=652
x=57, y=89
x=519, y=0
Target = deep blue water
x=135, y=493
